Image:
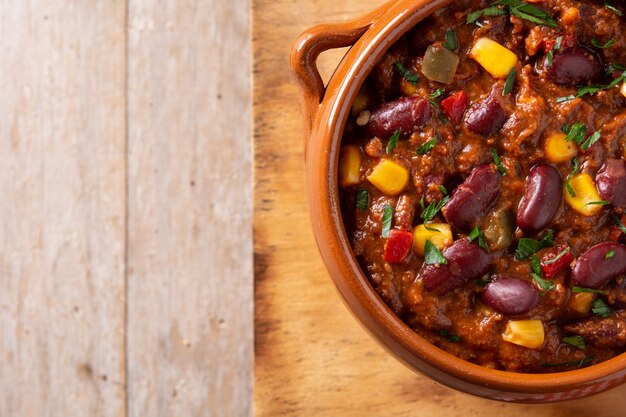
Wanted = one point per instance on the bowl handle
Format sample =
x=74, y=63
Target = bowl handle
x=310, y=45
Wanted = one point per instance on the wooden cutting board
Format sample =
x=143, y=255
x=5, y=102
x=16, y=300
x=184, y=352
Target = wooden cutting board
x=311, y=356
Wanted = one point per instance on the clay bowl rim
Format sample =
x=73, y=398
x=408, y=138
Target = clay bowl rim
x=327, y=125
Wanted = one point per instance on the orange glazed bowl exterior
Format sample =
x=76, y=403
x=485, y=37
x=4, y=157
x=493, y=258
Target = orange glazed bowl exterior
x=326, y=110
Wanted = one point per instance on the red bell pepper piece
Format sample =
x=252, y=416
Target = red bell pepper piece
x=455, y=106
x=398, y=245
x=551, y=266
x=615, y=233
x=568, y=42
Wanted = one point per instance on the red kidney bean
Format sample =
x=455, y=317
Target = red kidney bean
x=405, y=114
x=486, y=117
x=611, y=182
x=573, y=67
x=510, y=295
x=472, y=199
x=541, y=201
x=466, y=262
x=601, y=263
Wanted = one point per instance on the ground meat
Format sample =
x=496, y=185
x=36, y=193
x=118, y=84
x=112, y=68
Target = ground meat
x=405, y=211
x=523, y=126
x=374, y=148
x=607, y=332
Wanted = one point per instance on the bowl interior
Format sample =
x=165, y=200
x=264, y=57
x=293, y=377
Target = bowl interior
x=353, y=285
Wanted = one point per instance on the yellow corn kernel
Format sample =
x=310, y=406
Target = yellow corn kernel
x=623, y=89
x=557, y=150
x=408, y=88
x=439, y=234
x=585, y=195
x=360, y=103
x=389, y=177
x=527, y=333
x=495, y=58
x=580, y=302
x=349, y=166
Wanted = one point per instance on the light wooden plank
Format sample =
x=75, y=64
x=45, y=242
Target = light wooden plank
x=190, y=237
x=62, y=227
x=311, y=356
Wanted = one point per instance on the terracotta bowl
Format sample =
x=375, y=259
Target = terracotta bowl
x=326, y=109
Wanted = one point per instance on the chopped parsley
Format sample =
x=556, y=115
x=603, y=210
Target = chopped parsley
x=432, y=255
x=557, y=257
x=452, y=42
x=437, y=93
x=600, y=308
x=558, y=43
x=510, y=82
x=528, y=12
x=362, y=199
x=527, y=247
x=407, y=74
x=600, y=45
x=535, y=264
x=578, y=134
x=393, y=141
x=590, y=141
x=610, y=254
x=426, y=147
x=480, y=235
x=433, y=208
x=454, y=338
x=614, y=9
x=516, y=8
x=618, y=223
x=433, y=102
x=592, y=89
x=583, y=362
x=496, y=160
x=589, y=290
x=489, y=11
x=615, y=68
x=576, y=341
x=543, y=283
x=482, y=282
x=387, y=218
x=575, y=167
x=537, y=274
x=557, y=46
x=598, y=203
x=563, y=99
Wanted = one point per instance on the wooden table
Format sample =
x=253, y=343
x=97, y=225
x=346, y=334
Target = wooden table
x=126, y=281
x=126, y=238
x=312, y=359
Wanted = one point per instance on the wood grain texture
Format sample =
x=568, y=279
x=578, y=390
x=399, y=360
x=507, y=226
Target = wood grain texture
x=62, y=179
x=126, y=238
x=190, y=240
x=312, y=359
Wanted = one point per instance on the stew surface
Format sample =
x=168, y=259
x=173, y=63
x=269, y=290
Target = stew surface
x=483, y=182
